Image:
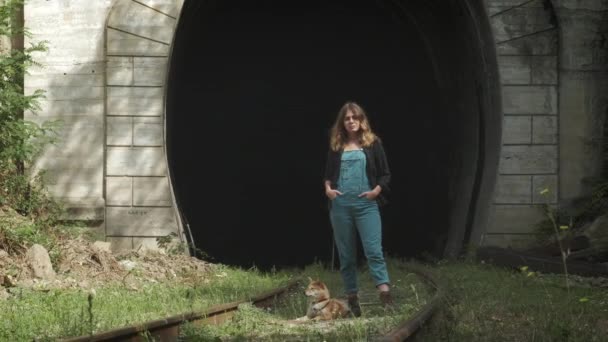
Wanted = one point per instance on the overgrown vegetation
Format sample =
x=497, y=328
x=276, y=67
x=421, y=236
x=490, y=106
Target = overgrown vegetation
x=488, y=303
x=21, y=191
x=278, y=323
x=47, y=315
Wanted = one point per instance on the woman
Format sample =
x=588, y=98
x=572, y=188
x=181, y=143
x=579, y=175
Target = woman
x=356, y=181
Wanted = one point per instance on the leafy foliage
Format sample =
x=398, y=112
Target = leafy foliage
x=20, y=142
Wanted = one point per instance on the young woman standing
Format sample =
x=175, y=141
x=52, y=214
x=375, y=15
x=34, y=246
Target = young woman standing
x=356, y=182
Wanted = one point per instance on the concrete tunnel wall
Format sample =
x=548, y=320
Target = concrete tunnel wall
x=105, y=75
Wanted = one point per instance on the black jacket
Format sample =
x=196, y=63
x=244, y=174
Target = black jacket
x=378, y=172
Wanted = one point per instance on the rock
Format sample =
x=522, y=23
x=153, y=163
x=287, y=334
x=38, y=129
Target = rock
x=40, y=262
x=102, y=246
x=127, y=265
x=3, y=254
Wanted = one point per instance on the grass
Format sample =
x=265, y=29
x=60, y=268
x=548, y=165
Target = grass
x=484, y=303
x=276, y=324
x=487, y=303
x=38, y=315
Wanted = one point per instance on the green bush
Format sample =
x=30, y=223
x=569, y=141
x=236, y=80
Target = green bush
x=21, y=140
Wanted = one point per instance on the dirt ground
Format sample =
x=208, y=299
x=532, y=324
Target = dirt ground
x=83, y=265
x=79, y=263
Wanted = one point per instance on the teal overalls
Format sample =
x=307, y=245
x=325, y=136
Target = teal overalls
x=350, y=214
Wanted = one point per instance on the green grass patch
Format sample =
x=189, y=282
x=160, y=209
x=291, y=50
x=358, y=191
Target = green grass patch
x=34, y=315
x=277, y=324
x=488, y=303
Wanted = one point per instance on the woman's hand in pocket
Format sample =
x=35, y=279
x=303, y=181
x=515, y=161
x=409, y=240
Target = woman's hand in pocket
x=370, y=195
x=332, y=194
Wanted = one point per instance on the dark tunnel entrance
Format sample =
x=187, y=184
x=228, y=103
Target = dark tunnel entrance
x=254, y=87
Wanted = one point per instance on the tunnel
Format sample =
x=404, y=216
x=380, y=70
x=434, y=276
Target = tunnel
x=253, y=88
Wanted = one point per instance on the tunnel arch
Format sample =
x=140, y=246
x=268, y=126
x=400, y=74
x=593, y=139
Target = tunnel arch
x=450, y=225
x=468, y=218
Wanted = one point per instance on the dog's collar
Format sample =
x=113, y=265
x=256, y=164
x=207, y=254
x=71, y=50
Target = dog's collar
x=321, y=305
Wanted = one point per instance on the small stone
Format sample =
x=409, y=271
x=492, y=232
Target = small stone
x=127, y=265
x=102, y=246
x=3, y=254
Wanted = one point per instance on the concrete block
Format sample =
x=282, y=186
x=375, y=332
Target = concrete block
x=147, y=132
x=143, y=244
x=68, y=44
x=132, y=17
x=123, y=44
x=513, y=189
x=150, y=71
x=514, y=219
x=79, y=136
x=119, y=244
x=135, y=161
x=76, y=107
x=70, y=92
x=528, y=69
x=514, y=69
x=141, y=101
x=514, y=241
x=529, y=99
x=517, y=129
x=583, y=104
x=71, y=180
x=545, y=43
x=44, y=81
x=544, y=129
x=520, y=21
x=151, y=191
x=119, y=131
x=83, y=208
x=541, y=182
x=533, y=159
x=66, y=68
x=120, y=71
x=140, y=221
x=167, y=7
x=119, y=191
x=544, y=69
x=583, y=38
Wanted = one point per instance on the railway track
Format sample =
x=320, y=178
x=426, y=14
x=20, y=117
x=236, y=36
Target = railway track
x=168, y=329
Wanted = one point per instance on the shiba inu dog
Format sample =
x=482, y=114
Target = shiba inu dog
x=321, y=307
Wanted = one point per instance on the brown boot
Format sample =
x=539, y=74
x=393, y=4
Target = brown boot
x=386, y=299
x=353, y=303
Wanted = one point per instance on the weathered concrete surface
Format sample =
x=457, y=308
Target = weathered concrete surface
x=72, y=76
x=124, y=221
x=583, y=92
x=520, y=219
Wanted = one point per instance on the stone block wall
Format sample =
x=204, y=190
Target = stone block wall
x=526, y=37
x=103, y=76
x=139, y=205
